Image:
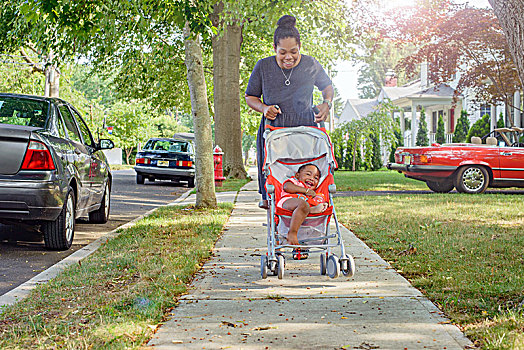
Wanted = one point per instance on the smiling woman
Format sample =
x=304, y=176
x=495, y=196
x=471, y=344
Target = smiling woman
x=286, y=82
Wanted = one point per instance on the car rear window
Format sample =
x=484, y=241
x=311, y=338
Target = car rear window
x=22, y=111
x=167, y=145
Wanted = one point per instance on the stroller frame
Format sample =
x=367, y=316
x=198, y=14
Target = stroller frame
x=273, y=261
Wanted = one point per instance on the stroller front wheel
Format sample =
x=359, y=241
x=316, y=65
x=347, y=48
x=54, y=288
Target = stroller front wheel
x=280, y=266
x=333, y=266
x=323, y=263
x=347, y=265
x=263, y=266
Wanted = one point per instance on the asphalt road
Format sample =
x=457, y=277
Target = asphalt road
x=22, y=252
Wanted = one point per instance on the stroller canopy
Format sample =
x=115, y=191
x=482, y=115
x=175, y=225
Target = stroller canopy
x=289, y=148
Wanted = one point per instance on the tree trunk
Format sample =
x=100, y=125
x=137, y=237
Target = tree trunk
x=509, y=13
x=226, y=81
x=205, y=186
x=52, y=78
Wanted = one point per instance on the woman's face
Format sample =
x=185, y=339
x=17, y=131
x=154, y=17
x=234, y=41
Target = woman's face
x=288, y=53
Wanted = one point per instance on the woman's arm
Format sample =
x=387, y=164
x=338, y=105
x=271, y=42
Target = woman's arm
x=270, y=112
x=327, y=95
x=290, y=187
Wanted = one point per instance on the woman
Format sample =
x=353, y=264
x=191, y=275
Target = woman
x=286, y=82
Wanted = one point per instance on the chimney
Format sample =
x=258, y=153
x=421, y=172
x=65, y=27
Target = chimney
x=424, y=82
x=391, y=79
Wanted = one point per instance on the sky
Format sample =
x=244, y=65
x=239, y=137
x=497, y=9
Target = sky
x=346, y=79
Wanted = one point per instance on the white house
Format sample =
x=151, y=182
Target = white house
x=436, y=100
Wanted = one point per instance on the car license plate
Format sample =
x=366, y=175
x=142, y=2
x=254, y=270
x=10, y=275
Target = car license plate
x=162, y=163
x=407, y=160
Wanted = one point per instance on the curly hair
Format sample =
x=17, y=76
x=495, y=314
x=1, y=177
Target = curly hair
x=286, y=29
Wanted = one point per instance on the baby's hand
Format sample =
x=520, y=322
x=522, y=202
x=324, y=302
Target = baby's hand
x=311, y=193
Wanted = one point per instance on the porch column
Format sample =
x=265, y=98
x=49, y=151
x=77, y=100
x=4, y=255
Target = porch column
x=414, y=124
x=516, y=113
x=402, y=125
x=493, y=117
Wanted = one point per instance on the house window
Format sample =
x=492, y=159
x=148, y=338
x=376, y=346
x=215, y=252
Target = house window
x=434, y=122
x=485, y=109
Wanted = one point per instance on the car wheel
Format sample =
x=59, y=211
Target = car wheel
x=151, y=179
x=101, y=215
x=140, y=179
x=190, y=182
x=58, y=234
x=440, y=186
x=472, y=179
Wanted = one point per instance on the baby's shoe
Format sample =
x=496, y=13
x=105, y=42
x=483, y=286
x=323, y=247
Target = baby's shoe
x=300, y=254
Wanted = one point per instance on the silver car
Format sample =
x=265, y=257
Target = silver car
x=51, y=169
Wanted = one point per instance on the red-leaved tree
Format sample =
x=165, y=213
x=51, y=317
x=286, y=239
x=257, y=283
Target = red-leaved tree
x=456, y=39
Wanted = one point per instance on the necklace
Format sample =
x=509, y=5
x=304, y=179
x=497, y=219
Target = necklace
x=287, y=82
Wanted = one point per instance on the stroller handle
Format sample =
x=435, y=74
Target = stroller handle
x=315, y=110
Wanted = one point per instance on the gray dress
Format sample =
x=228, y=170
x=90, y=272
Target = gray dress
x=295, y=100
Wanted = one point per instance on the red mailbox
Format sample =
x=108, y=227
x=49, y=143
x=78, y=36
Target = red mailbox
x=217, y=159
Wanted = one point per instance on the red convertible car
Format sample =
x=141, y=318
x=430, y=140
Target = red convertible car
x=496, y=160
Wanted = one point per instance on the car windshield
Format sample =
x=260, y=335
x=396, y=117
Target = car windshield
x=167, y=145
x=23, y=111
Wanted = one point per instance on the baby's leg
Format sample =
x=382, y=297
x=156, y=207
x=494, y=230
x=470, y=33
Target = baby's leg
x=319, y=208
x=300, y=211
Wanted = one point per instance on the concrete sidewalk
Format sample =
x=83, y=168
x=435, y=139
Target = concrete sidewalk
x=231, y=307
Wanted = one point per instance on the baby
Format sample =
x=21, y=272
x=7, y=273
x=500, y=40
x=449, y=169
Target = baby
x=299, y=196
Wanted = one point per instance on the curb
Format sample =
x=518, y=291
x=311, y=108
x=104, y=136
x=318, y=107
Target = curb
x=23, y=290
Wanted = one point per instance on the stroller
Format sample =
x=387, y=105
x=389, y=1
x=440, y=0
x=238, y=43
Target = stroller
x=286, y=150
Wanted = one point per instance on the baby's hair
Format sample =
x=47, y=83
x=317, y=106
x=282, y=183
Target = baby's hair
x=302, y=167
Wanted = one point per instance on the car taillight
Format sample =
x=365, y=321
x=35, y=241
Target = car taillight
x=143, y=161
x=424, y=158
x=37, y=157
x=184, y=163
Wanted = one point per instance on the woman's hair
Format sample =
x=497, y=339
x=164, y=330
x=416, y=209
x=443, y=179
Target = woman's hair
x=302, y=167
x=286, y=29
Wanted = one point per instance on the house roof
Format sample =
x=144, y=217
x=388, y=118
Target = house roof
x=364, y=106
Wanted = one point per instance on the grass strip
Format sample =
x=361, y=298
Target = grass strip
x=383, y=180
x=121, y=166
x=231, y=185
x=465, y=252
x=117, y=297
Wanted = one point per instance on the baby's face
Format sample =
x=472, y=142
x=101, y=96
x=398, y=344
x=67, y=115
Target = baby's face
x=309, y=176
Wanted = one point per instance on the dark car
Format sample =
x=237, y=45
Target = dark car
x=497, y=160
x=51, y=169
x=167, y=159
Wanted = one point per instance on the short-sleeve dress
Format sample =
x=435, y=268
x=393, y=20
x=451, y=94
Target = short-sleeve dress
x=295, y=100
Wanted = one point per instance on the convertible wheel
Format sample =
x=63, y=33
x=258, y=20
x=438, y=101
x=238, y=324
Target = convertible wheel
x=58, y=234
x=472, y=179
x=441, y=186
x=101, y=215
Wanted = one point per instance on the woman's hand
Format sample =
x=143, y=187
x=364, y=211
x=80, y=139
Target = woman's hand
x=323, y=114
x=271, y=112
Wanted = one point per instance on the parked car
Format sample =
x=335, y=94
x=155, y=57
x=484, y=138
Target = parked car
x=496, y=160
x=51, y=169
x=167, y=159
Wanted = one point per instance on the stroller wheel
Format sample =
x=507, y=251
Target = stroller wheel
x=263, y=266
x=333, y=266
x=280, y=266
x=323, y=263
x=347, y=265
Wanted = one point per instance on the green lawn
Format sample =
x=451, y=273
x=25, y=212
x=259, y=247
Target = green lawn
x=465, y=252
x=116, y=297
x=384, y=180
